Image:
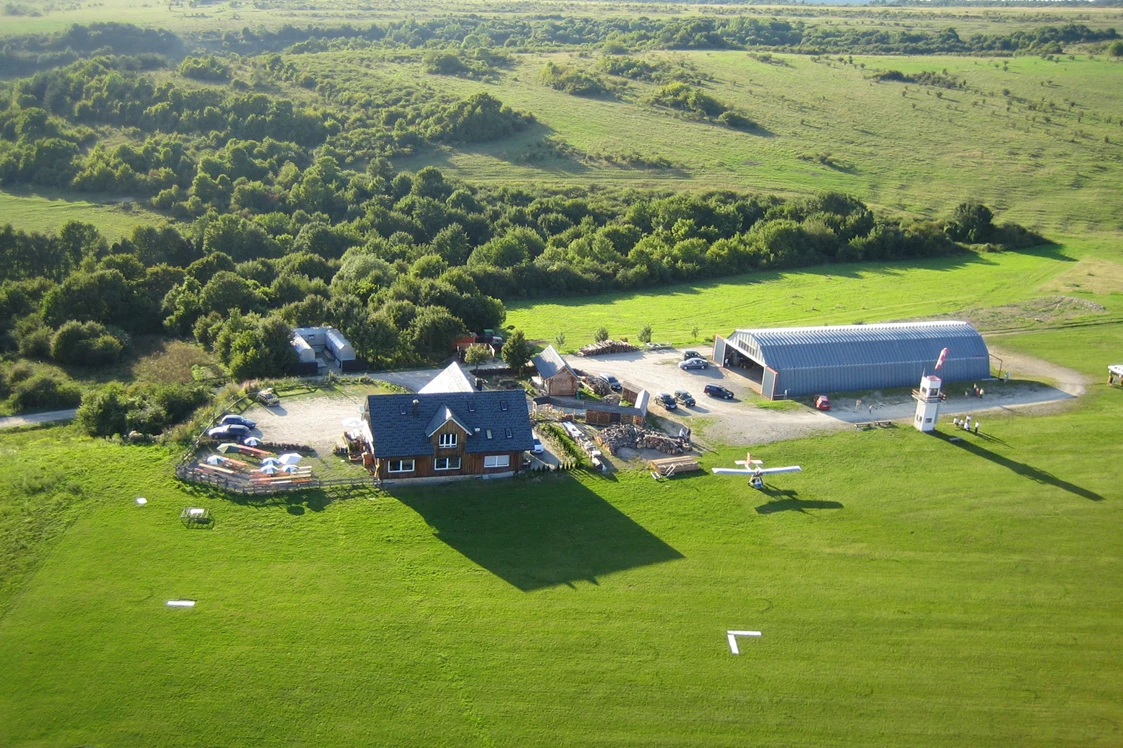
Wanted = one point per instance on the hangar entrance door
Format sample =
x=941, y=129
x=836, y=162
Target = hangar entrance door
x=736, y=361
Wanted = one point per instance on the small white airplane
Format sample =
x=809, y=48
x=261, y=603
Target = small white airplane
x=755, y=469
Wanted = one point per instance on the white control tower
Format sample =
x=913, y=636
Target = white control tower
x=927, y=403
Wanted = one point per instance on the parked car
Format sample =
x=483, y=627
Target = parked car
x=687, y=355
x=822, y=402
x=716, y=390
x=538, y=448
x=613, y=382
x=684, y=397
x=268, y=397
x=693, y=363
x=229, y=431
x=666, y=401
x=233, y=418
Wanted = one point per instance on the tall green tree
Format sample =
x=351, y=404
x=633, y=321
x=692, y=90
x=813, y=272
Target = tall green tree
x=517, y=351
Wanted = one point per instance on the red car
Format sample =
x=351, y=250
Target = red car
x=822, y=402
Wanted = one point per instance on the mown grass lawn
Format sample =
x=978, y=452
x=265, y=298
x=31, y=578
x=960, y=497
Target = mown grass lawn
x=910, y=591
x=832, y=294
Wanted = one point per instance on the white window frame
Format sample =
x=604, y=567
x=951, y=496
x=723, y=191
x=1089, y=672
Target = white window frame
x=448, y=461
x=497, y=461
x=447, y=441
x=401, y=466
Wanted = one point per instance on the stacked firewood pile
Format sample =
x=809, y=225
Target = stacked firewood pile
x=626, y=435
x=599, y=386
x=605, y=347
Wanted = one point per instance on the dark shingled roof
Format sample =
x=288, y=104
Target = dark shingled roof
x=550, y=363
x=406, y=435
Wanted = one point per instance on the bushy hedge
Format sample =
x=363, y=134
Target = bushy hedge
x=43, y=392
x=146, y=409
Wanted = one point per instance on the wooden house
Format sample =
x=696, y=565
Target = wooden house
x=447, y=434
x=555, y=378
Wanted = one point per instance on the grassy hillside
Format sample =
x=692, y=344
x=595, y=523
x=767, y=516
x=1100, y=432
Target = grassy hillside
x=825, y=125
x=898, y=602
x=837, y=294
x=47, y=211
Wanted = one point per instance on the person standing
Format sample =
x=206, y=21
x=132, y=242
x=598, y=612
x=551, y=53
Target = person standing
x=976, y=427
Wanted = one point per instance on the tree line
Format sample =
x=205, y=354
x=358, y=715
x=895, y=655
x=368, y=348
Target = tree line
x=25, y=54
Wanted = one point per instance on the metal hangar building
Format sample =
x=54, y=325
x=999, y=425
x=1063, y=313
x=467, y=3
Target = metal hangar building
x=791, y=361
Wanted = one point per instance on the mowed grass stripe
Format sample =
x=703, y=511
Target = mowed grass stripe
x=834, y=294
x=954, y=596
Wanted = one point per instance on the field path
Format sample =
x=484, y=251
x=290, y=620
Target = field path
x=33, y=419
x=1022, y=366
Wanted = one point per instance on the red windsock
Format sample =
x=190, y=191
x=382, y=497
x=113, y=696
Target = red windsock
x=940, y=360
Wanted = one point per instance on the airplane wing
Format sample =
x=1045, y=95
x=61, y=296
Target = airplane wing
x=761, y=471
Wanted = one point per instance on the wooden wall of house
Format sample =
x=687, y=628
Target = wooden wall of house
x=470, y=464
x=605, y=418
x=562, y=384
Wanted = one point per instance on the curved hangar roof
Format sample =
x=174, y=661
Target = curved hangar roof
x=854, y=357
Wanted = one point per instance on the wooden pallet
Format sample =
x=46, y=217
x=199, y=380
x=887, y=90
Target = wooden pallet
x=670, y=466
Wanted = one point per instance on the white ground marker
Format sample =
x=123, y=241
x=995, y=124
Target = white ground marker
x=733, y=639
x=181, y=603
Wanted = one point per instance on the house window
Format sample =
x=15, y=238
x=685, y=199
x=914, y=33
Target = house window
x=402, y=409
x=497, y=461
x=503, y=405
x=446, y=463
x=488, y=431
x=400, y=466
x=446, y=441
x=471, y=407
x=508, y=434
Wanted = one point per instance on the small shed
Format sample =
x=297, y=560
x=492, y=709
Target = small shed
x=555, y=378
x=1115, y=374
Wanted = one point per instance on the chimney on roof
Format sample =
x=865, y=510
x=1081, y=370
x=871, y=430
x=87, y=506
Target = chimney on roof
x=416, y=403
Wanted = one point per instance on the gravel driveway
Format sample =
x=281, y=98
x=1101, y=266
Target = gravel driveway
x=741, y=422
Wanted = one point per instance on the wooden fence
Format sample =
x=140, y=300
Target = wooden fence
x=247, y=487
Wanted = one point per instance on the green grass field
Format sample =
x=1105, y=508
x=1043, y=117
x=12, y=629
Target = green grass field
x=926, y=150
x=910, y=590
x=48, y=211
x=898, y=603
x=835, y=294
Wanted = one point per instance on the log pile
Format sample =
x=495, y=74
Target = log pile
x=605, y=347
x=614, y=438
x=599, y=386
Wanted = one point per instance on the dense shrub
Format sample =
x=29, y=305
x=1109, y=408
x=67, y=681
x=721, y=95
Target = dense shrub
x=43, y=392
x=85, y=344
x=145, y=409
x=204, y=69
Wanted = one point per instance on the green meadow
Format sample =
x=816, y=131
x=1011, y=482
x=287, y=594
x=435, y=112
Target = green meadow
x=843, y=294
x=1047, y=154
x=899, y=602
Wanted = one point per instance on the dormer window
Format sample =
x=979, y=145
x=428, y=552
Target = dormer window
x=503, y=405
x=446, y=441
x=488, y=433
x=471, y=407
x=402, y=409
x=508, y=434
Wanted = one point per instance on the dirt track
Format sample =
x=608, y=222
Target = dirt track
x=741, y=422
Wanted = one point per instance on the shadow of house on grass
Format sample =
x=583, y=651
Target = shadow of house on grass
x=1035, y=474
x=539, y=533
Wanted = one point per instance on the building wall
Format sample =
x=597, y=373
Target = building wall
x=470, y=464
x=827, y=379
x=562, y=384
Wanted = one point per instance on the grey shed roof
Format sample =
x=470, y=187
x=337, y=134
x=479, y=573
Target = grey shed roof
x=398, y=432
x=847, y=345
x=549, y=363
